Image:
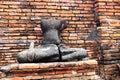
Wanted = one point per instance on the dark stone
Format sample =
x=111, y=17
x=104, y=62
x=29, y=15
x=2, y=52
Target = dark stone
x=69, y=54
x=51, y=49
x=42, y=53
x=51, y=30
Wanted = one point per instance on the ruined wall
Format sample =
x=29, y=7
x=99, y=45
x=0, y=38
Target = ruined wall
x=20, y=24
x=108, y=12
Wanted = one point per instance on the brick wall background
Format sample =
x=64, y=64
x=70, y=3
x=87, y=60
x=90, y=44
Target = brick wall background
x=109, y=24
x=20, y=23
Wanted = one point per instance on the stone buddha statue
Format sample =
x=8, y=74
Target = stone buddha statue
x=51, y=49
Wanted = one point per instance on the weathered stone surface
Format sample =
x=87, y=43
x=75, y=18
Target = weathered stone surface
x=51, y=30
x=51, y=49
x=43, y=53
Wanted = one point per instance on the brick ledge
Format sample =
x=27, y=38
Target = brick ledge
x=47, y=65
x=55, y=70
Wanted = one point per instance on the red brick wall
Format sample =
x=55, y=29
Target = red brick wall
x=109, y=23
x=20, y=23
x=80, y=70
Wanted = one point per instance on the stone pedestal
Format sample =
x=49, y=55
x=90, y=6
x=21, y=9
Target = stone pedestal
x=80, y=70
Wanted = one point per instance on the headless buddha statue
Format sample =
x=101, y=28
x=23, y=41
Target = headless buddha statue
x=51, y=49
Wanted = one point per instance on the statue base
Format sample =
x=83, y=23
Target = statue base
x=79, y=70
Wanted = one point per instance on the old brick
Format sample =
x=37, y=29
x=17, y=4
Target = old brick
x=49, y=65
x=65, y=7
x=28, y=66
x=41, y=10
x=80, y=41
x=52, y=11
x=68, y=75
x=117, y=7
x=66, y=15
x=73, y=34
x=3, y=6
x=55, y=14
x=37, y=77
x=3, y=13
x=18, y=78
x=117, y=14
x=3, y=21
x=107, y=14
x=12, y=10
x=52, y=7
x=14, y=6
x=76, y=11
x=11, y=2
x=102, y=3
x=40, y=6
x=75, y=18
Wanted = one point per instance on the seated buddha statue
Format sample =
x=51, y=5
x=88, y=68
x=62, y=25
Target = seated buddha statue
x=51, y=49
